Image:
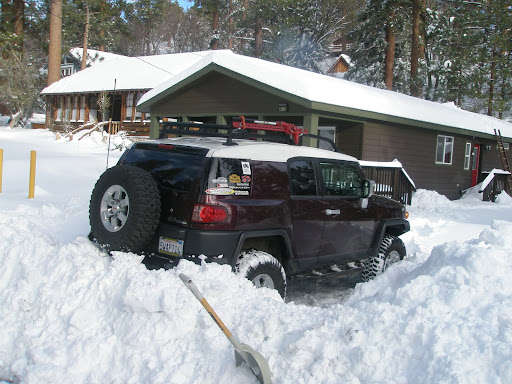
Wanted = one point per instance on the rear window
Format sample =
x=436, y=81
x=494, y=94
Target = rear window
x=172, y=166
x=230, y=177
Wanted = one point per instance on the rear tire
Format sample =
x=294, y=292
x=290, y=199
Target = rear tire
x=124, y=211
x=391, y=251
x=263, y=269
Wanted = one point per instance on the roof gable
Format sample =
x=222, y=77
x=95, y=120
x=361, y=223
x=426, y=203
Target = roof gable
x=330, y=94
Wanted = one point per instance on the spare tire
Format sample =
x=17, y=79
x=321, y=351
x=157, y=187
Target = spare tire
x=124, y=211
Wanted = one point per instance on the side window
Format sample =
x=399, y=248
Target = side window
x=467, y=155
x=444, y=151
x=230, y=176
x=341, y=179
x=302, y=177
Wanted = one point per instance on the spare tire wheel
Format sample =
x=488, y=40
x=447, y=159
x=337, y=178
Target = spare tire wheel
x=124, y=211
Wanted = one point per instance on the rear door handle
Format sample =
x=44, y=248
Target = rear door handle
x=331, y=212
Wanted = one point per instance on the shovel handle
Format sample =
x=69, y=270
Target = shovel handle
x=199, y=296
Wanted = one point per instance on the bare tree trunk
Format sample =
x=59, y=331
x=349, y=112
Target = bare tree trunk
x=214, y=44
x=19, y=20
x=246, y=7
x=6, y=14
x=491, y=82
x=390, y=55
x=54, y=49
x=230, y=24
x=102, y=27
x=86, y=38
x=258, y=37
x=415, y=47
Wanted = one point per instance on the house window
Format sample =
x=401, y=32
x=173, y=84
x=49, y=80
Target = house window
x=329, y=133
x=93, y=108
x=82, y=108
x=467, y=156
x=129, y=106
x=60, y=104
x=74, y=109
x=444, y=152
x=66, y=70
x=138, y=115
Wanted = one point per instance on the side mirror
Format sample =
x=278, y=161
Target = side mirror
x=368, y=187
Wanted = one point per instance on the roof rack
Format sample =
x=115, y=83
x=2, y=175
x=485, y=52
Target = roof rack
x=242, y=128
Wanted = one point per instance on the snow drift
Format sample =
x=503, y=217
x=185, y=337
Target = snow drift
x=71, y=313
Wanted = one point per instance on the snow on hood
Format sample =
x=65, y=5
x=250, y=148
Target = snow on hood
x=338, y=92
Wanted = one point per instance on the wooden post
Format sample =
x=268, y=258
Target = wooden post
x=154, y=127
x=32, y=179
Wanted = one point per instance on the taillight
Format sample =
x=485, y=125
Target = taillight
x=209, y=214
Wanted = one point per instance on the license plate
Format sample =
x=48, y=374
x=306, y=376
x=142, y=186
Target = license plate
x=170, y=247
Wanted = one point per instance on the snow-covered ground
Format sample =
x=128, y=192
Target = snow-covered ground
x=71, y=314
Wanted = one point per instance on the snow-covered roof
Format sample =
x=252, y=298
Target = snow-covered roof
x=327, y=91
x=128, y=73
x=93, y=56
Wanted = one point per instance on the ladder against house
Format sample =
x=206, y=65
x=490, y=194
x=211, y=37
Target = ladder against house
x=503, y=157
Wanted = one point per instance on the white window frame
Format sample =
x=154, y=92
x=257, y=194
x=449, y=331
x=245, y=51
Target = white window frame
x=129, y=106
x=138, y=115
x=446, y=144
x=467, y=156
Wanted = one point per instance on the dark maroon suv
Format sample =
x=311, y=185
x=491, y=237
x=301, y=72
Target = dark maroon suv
x=267, y=209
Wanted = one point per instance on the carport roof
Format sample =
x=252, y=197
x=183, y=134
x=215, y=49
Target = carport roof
x=325, y=93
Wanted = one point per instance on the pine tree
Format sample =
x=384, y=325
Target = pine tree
x=379, y=42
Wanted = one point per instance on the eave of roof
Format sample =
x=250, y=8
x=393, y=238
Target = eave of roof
x=325, y=93
x=125, y=73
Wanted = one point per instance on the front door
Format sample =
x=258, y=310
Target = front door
x=348, y=227
x=475, y=165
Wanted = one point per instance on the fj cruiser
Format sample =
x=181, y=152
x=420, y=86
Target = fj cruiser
x=267, y=209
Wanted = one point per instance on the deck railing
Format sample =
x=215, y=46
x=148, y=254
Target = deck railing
x=391, y=180
x=495, y=183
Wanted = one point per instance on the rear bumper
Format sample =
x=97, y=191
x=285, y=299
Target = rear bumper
x=211, y=246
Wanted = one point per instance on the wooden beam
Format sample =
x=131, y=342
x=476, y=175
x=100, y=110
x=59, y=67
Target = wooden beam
x=310, y=122
x=154, y=127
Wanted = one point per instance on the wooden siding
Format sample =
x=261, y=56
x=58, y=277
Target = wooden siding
x=349, y=139
x=216, y=94
x=416, y=149
x=490, y=159
x=340, y=66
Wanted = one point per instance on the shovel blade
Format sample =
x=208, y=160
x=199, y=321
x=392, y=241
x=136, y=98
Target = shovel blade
x=256, y=362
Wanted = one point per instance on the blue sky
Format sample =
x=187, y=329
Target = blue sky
x=185, y=3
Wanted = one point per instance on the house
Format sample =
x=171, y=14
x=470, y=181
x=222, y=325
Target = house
x=73, y=100
x=72, y=61
x=442, y=147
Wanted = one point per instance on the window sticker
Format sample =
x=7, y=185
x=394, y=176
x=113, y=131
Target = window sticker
x=221, y=182
x=246, y=168
x=230, y=175
x=234, y=178
x=220, y=191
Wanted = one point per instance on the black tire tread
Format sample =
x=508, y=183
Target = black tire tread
x=144, y=215
x=375, y=265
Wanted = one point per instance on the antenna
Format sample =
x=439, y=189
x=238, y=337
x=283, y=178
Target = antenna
x=111, y=114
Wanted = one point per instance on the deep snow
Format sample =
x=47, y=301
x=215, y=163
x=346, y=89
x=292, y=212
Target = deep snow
x=71, y=314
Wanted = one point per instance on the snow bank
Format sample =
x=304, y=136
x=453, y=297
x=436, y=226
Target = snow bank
x=71, y=313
